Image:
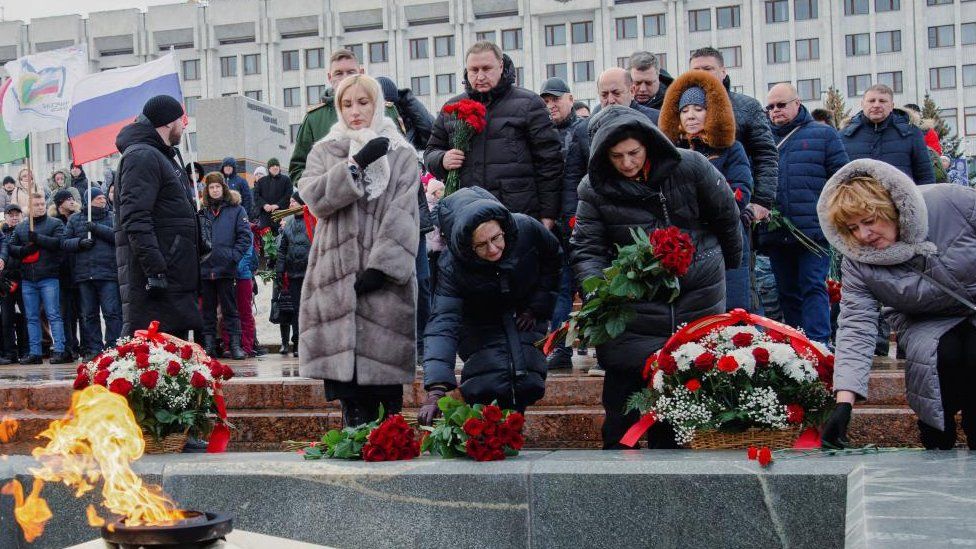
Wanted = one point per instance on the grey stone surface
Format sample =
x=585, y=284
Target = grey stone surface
x=248, y=130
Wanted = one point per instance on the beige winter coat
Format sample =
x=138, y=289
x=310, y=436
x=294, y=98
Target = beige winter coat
x=376, y=332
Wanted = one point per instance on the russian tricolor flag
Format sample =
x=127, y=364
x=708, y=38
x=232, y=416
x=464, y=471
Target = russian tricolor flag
x=103, y=103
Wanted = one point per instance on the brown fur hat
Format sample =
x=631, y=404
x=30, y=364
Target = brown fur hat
x=229, y=196
x=719, y=117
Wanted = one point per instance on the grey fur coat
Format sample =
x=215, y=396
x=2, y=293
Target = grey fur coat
x=373, y=334
x=937, y=234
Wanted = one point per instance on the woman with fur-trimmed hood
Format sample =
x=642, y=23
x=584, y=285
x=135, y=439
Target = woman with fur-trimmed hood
x=357, y=317
x=912, y=251
x=231, y=238
x=697, y=114
x=60, y=181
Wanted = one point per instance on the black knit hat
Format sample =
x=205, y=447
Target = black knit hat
x=162, y=110
x=274, y=162
x=10, y=180
x=61, y=196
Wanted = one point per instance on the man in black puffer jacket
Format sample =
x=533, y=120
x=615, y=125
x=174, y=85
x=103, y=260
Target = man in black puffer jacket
x=650, y=184
x=94, y=271
x=496, y=285
x=518, y=156
x=272, y=192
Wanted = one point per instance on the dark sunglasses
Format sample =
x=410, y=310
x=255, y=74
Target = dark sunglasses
x=771, y=106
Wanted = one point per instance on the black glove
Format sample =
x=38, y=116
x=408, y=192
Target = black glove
x=372, y=151
x=32, y=236
x=370, y=280
x=835, y=429
x=88, y=226
x=429, y=411
x=86, y=243
x=525, y=321
x=156, y=286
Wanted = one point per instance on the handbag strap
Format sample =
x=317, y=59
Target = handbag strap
x=783, y=141
x=958, y=297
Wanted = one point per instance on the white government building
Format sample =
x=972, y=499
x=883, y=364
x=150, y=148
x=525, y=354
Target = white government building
x=277, y=51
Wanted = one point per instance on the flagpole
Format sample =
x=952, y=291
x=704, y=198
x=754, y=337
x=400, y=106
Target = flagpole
x=30, y=182
x=193, y=170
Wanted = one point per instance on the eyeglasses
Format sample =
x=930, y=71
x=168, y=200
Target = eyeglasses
x=495, y=241
x=770, y=107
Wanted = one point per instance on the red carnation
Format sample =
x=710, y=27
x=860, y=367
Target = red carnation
x=492, y=413
x=142, y=360
x=101, y=377
x=142, y=348
x=705, y=361
x=149, y=378
x=186, y=352
x=753, y=452
x=674, y=249
x=170, y=348
x=693, y=385
x=104, y=362
x=474, y=427
x=515, y=420
x=198, y=381
x=777, y=337
x=667, y=364
x=794, y=414
x=81, y=382
x=742, y=339
x=228, y=373
x=762, y=357
x=765, y=456
x=121, y=386
x=216, y=369
x=173, y=368
x=81, y=368
x=124, y=350
x=727, y=364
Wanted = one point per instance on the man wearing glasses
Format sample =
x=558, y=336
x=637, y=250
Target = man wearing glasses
x=809, y=154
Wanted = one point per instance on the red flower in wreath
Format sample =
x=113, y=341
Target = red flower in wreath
x=674, y=249
x=173, y=368
x=149, y=378
x=198, y=381
x=794, y=414
x=693, y=385
x=101, y=377
x=81, y=382
x=667, y=364
x=705, y=361
x=727, y=364
x=742, y=339
x=492, y=413
x=121, y=386
x=762, y=357
x=104, y=362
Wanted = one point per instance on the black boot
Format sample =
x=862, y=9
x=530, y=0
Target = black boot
x=283, y=350
x=210, y=346
x=236, y=351
x=353, y=413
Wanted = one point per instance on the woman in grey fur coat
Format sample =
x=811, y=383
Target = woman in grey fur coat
x=359, y=298
x=912, y=251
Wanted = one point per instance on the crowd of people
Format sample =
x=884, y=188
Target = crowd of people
x=377, y=271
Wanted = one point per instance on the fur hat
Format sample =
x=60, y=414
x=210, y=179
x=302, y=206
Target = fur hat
x=214, y=177
x=719, y=130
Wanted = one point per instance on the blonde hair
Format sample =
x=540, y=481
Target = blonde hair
x=858, y=197
x=21, y=172
x=368, y=83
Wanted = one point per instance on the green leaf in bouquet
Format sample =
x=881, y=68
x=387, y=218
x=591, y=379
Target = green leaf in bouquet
x=345, y=450
x=591, y=284
x=332, y=438
x=165, y=416
x=447, y=404
x=510, y=452
x=616, y=326
x=313, y=452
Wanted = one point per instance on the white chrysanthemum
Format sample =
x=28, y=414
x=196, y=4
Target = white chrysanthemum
x=658, y=380
x=746, y=361
x=686, y=354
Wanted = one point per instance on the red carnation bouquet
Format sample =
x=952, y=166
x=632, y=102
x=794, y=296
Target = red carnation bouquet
x=483, y=433
x=465, y=119
x=646, y=270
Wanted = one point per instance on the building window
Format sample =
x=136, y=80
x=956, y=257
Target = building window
x=53, y=151
x=893, y=80
x=808, y=90
x=778, y=52
x=512, y=39
x=559, y=70
x=804, y=10
x=808, y=49
x=856, y=7
x=191, y=105
x=252, y=63
x=728, y=17
x=942, y=36
x=583, y=71
x=623, y=62
x=858, y=44
x=289, y=60
x=418, y=48
x=582, y=32
x=377, y=52
x=662, y=60
x=420, y=85
x=655, y=25
x=777, y=11
x=445, y=83
x=732, y=56
x=857, y=84
x=228, y=66
x=292, y=97
x=293, y=132
x=967, y=34
x=949, y=117
x=555, y=35
x=888, y=42
x=314, y=58
x=887, y=5
x=313, y=94
x=485, y=36
x=699, y=20
x=357, y=50
x=969, y=76
x=626, y=28
x=938, y=2
x=941, y=78
x=444, y=45
x=970, y=120
x=253, y=94
x=191, y=69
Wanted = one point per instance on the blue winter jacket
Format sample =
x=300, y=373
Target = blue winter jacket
x=239, y=184
x=807, y=159
x=733, y=163
x=97, y=263
x=895, y=141
x=230, y=237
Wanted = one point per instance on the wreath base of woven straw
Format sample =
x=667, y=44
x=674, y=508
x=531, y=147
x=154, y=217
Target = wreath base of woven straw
x=711, y=439
x=170, y=444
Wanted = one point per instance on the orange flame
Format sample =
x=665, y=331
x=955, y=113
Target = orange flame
x=8, y=428
x=94, y=520
x=31, y=514
x=99, y=438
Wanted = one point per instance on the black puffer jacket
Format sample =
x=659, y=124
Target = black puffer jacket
x=293, y=248
x=576, y=151
x=682, y=189
x=476, y=302
x=97, y=263
x=517, y=158
x=417, y=121
x=156, y=232
x=50, y=233
x=272, y=189
x=752, y=130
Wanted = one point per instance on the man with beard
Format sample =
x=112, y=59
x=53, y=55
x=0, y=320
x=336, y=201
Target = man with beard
x=157, y=235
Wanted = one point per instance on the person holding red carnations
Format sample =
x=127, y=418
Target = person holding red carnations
x=637, y=178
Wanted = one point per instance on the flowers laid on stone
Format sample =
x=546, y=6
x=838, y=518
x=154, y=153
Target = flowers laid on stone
x=379, y=440
x=171, y=385
x=763, y=455
x=645, y=270
x=716, y=374
x=466, y=118
x=483, y=433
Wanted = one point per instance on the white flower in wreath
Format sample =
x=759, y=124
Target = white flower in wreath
x=685, y=355
x=747, y=362
x=658, y=381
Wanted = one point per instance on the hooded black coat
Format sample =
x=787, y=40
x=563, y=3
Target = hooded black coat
x=476, y=303
x=518, y=157
x=237, y=183
x=156, y=233
x=98, y=263
x=683, y=189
